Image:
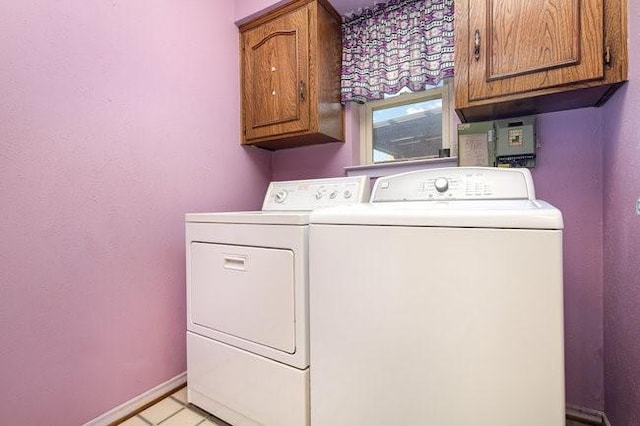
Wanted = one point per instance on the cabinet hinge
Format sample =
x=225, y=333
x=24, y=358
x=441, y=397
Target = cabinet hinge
x=607, y=56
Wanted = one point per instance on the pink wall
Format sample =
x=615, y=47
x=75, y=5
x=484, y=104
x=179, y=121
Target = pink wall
x=117, y=117
x=622, y=242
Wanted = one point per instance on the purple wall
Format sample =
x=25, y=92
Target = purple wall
x=568, y=175
x=246, y=10
x=594, y=193
x=116, y=119
x=622, y=242
x=318, y=161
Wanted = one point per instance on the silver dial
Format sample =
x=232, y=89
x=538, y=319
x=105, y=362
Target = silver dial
x=281, y=196
x=441, y=184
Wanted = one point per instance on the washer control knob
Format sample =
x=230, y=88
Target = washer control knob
x=333, y=194
x=442, y=184
x=347, y=194
x=281, y=196
x=318, y=194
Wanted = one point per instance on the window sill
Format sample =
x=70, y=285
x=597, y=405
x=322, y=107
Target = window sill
x=385, y=169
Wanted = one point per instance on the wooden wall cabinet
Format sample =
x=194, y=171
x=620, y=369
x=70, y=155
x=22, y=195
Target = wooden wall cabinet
x=521, y=57
x=290, y=74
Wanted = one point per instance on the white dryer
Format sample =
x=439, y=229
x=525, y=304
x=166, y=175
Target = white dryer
x=247, y=303
x=439, y=303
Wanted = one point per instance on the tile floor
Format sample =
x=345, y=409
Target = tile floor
x=174, y=411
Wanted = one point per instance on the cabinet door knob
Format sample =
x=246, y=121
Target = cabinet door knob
x=476, y=45
x=301, y=90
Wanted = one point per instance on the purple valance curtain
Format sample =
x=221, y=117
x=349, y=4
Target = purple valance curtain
x=402, y=43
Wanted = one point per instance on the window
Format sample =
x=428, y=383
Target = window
x=406, y=126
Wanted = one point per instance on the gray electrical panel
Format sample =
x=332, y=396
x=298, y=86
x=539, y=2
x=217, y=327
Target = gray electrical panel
x=516, y=142
x=501, y=143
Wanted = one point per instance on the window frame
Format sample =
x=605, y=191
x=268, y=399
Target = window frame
x=444, y=92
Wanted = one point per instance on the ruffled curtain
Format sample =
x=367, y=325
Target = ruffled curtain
x=402, y=43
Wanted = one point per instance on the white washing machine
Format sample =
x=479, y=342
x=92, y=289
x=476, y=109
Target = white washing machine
x=247, y=303
x=439, y=303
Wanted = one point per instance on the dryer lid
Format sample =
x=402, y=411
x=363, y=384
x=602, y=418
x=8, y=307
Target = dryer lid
x=253, y=217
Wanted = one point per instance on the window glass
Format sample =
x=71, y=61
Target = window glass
x=407, y=126
x=411, y=130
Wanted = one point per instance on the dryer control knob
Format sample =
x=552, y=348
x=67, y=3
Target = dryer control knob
x=347, y=194
x=281, y=196
x=442, y=184
x=318, y=194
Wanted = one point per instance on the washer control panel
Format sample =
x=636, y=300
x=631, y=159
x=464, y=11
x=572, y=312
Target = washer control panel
x=316, y=193
x=455, y=183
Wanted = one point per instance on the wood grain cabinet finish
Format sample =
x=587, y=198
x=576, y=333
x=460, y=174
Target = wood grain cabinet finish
x=520, y=57
x=291, y=61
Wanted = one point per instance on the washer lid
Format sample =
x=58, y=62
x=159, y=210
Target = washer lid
x=526, y=214
x=254, y=217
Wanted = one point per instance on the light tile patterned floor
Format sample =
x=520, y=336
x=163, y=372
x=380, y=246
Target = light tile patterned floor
x=174, y=411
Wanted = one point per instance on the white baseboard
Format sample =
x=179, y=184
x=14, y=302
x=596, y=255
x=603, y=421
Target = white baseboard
x=587, y=415
x=138, y=402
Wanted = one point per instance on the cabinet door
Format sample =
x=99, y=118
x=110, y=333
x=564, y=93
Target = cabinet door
x=517, y=46
x=275, y=76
